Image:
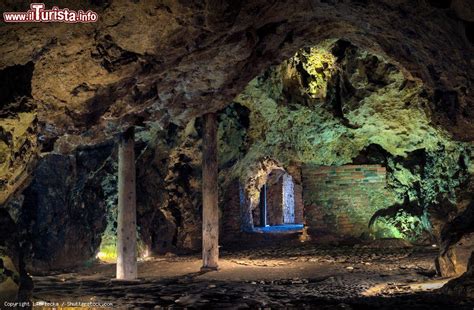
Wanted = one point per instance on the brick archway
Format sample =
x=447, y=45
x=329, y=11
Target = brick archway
x=283, y=201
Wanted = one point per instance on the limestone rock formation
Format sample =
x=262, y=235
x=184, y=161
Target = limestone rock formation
x=61, y=214
x=464, y=285
x=320, y=82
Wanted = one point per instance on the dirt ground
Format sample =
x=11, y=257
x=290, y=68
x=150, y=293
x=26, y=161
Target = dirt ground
x=303, y=276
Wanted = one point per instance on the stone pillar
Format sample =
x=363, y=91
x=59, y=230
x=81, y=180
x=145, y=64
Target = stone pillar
x=210, y=211
x=127, y=211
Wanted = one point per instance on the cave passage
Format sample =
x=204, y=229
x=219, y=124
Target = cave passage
x=237, y=155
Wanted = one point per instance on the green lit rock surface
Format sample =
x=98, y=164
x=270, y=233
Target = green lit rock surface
x=402, y=225
x=388, y=111
x=328, y=104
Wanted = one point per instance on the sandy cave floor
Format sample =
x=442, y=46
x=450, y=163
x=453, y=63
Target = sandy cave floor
x=306, y=276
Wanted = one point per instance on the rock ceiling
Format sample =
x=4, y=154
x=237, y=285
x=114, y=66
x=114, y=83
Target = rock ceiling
x=169, y=61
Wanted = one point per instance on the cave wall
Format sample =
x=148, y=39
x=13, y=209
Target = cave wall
x=18, y=127
x=335, y=104
x=456, y=243
x=61, y=215
x=403, y=84
x=293, y=111
x=448, y=263
x=9, y=259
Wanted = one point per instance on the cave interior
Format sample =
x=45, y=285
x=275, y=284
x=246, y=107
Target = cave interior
x=231, y=155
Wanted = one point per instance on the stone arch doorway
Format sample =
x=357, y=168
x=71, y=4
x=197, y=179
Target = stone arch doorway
x=278, y=208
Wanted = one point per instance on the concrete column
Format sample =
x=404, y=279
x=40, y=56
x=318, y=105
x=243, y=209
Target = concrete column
x=127, y=211
x=210, y=211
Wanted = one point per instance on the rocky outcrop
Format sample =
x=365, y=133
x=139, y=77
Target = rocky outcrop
x=456, y=243
x=9, y=259
x=464, y=285
x=456, y=253
x=61, y=215
x=454, y=261
x=456, y=230
x=18, y=125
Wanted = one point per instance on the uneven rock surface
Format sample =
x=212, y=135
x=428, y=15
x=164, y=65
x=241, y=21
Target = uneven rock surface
x=61, y=214
x=464, y=285
x=337, y=104
x=454, y=262
x=278, y=276
x=9, y=259
x=18, y=129
x=371, y=81
x=453, y=259
x=167, y=61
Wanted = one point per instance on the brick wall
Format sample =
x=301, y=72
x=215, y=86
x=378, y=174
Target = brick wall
x=256, y=216
x=275, y=203
x=341, y=200
x=299, y=206
x=231, y=217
